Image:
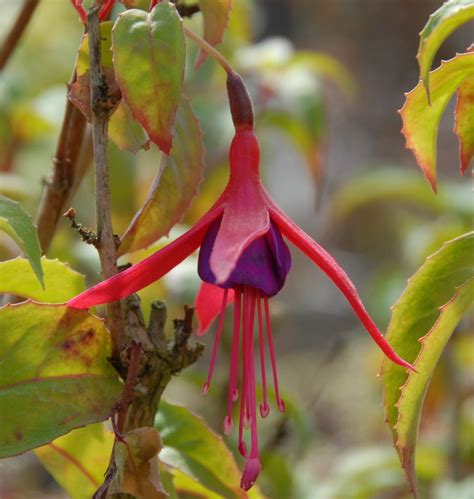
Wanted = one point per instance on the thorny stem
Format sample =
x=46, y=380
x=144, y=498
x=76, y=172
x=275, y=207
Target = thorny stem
x=17, y=30
x=101, y=109
x=209, y=49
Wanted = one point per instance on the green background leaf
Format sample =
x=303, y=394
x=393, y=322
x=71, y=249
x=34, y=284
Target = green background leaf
x=441, y=24
x=191, y=447
x=82, y=63
x=416, y=313
x=61, y=283
x=17, y=223
x=421, y=121
x=174, y=186
x=54, y=374
x=149, y=57
x=78, y=460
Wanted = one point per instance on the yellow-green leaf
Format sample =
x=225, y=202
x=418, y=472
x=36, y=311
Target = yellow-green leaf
x=82, y=62
x=193, y=448
x=412, y=393
x=430, y=307
x=17, y=223
x=149, y=57
x=174, y=186
x=61, y=283
x=464, y=127
x=421, y=120
x=54, y=374
x=441, y=24
x=126, y=133
x=79, y=460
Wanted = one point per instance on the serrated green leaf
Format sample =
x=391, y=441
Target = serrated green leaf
x=421, y=120
x=419, y=311
x=191, y=447
x=83, y=63
x=441, y=24
x=174, y=186
x=126, y=133
x=464, y=123
x=412, y=393
x=149, y=57
x=79, y=460
x=61, y=283
x=17, y=223
x=54, y=374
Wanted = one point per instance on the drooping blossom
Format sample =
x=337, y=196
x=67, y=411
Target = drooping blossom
x=243, y=259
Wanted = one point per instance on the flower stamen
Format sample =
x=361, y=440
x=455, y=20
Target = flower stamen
x=233, y=394
x=271, y=346
x=205, y=387
x=264, y=407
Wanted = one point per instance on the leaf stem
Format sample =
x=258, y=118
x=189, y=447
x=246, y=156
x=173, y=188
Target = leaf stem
x=209, y=49
x=106, y=244
x=17, y=30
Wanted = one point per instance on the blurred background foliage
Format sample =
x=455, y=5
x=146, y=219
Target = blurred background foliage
x=327, y=78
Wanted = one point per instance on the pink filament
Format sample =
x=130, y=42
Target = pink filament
x=245, y=373
x=234, y=363
x=280, y=402
x=207, y=384
x=264, y=407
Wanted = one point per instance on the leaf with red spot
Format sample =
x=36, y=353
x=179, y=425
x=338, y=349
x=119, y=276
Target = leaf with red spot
x=174, y=186
x=149, y=58
x=464, y=127
x=421, y=120
x=54, y=374
x=423, y=320
x=216, y=15
x=79, y=460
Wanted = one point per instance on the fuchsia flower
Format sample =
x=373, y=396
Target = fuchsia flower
x=243, y=258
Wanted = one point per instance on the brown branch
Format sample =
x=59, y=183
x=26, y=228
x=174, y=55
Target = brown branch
x=62, y=181
x=131, y=380
x=15, y=33
x=101, y=107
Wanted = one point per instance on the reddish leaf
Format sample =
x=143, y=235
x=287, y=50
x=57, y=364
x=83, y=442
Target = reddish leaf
x=216, y=15
x=174, y=187
x=149, y=57
x=464, y=127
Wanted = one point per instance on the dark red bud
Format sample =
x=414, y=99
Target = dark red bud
x=240, y=103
